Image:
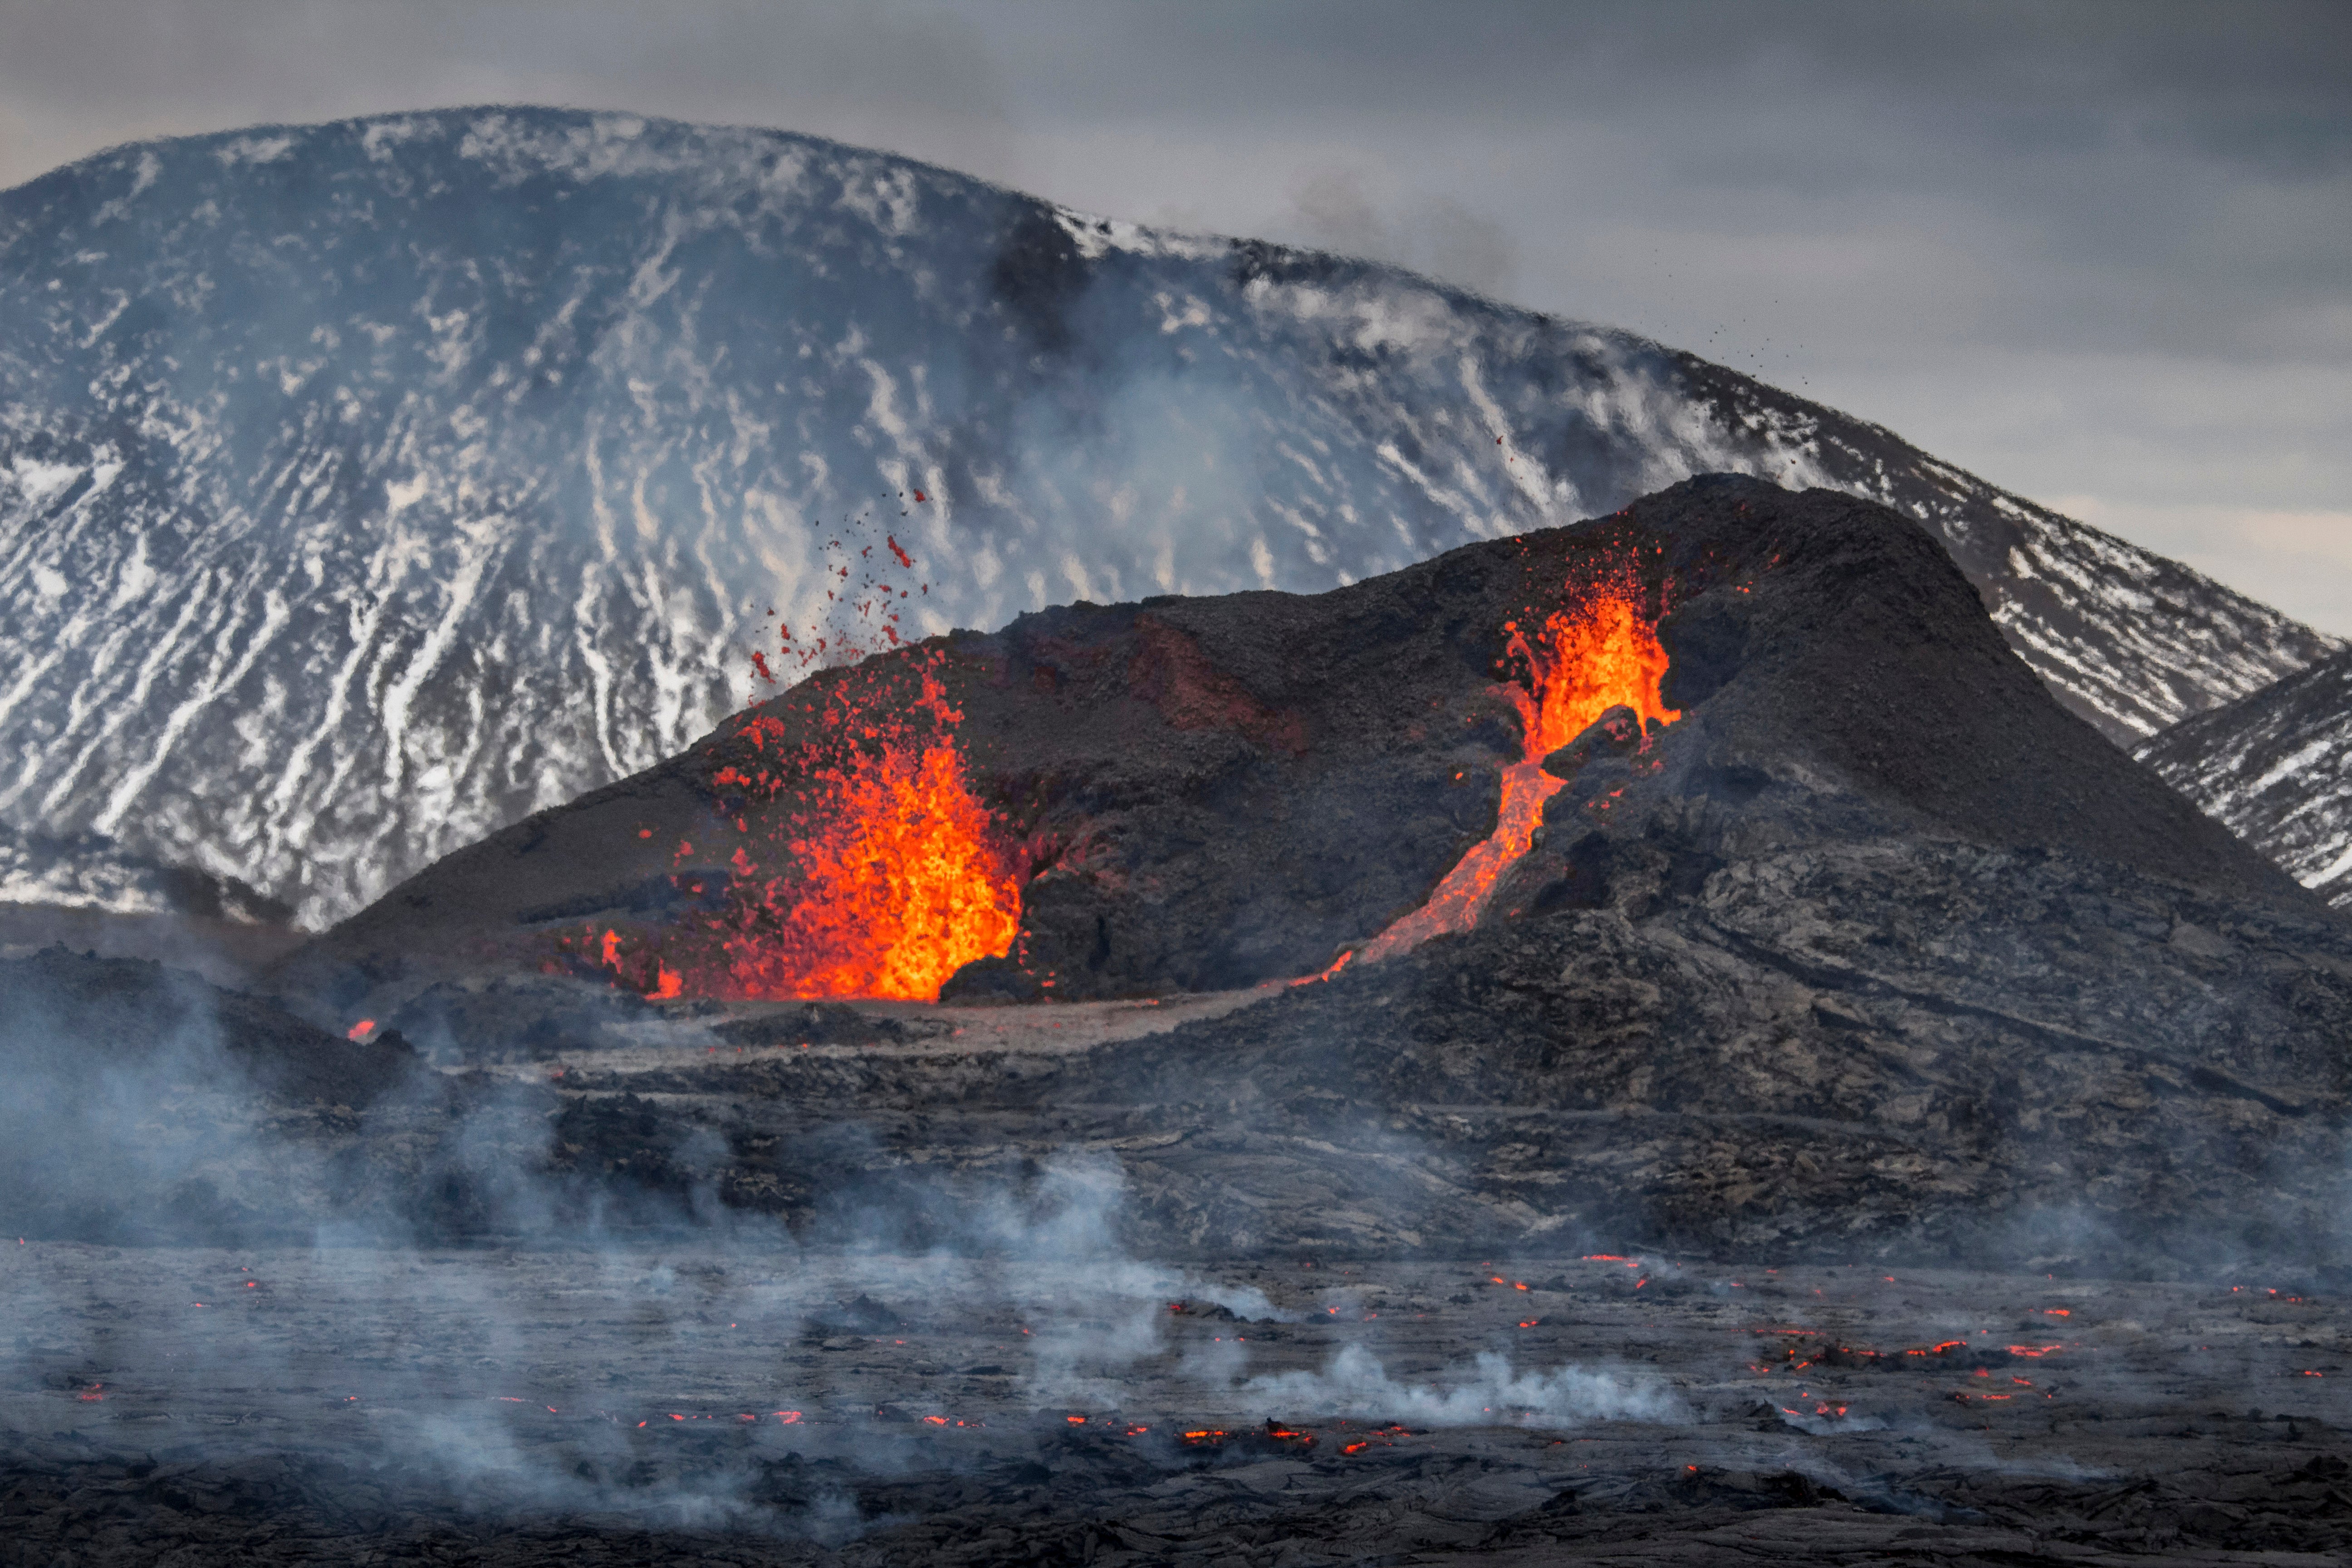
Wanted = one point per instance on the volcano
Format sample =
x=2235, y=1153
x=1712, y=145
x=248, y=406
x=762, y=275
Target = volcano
x=1566, y=1048
x=368, y=487
x=1710, y=873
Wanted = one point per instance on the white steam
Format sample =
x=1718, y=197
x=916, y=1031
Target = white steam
x=1355, y=1385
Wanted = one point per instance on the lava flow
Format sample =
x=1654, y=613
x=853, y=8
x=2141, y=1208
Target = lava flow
x=1601, y=652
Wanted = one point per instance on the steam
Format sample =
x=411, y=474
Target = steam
x=142, y=1111
x=142, y=1130
x=1355, y=1384
x=1338, y=209
x=1106, y=1313
x=447, y=1360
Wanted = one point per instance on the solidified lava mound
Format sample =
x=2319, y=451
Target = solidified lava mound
x=1802, y=917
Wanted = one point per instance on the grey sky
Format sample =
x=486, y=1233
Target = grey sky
x=2098, y=252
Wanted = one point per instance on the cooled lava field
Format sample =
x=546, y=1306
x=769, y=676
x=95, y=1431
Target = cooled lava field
x=753, y=1403
x=1654, y=1041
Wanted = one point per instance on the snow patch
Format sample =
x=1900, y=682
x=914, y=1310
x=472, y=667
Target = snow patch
x=254, y=150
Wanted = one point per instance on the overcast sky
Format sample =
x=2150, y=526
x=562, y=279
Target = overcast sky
x=2098, y=252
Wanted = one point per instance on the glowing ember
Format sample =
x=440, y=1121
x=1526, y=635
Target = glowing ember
x=1600, y=653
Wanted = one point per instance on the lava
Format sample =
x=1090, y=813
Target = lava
x=887, y=876
x=862, y=862
x=1600, y=652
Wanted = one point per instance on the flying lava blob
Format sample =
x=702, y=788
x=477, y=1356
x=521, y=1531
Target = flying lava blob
x=1599, y=652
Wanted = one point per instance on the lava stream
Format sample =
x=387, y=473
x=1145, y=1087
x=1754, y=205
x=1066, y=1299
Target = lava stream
x=1602, y=653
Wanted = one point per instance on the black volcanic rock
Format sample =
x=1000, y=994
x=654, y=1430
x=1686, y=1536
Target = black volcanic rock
x=2276, y=767
x=146, y=1107
x=526, y=1016
x=986, y=981
x=77, y=1016
x=1236, y=790
x=376, y=484
x=1903, y=1048
x=830, y=1023
x=1875, y=950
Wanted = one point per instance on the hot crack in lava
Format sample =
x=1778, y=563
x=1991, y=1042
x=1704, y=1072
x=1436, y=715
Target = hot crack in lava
x=895, y=874
x=1601, y=652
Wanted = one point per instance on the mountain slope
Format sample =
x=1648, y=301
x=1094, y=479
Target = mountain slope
x=2276, y=767
x=364, y=487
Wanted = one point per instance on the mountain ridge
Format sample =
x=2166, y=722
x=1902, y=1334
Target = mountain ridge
x=366, y=486
x=2276, y=768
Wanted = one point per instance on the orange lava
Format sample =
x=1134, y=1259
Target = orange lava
x=1600, y=653
x=890, y=877
x=900, y=885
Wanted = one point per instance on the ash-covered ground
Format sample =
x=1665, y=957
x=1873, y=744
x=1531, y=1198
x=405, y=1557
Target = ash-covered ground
x=759, y=1403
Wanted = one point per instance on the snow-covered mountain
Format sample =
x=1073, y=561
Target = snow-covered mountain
x=364, y=487
x=2275, y=767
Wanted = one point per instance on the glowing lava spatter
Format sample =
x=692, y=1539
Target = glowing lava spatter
x=903, y=881
x=885, y=876
x=862, y=862
x=1601, y=652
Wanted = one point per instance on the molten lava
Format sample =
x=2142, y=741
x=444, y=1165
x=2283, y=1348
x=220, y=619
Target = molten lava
x=888, y=878
x=901, y=882
x=1601, y=652
x=849, y=855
